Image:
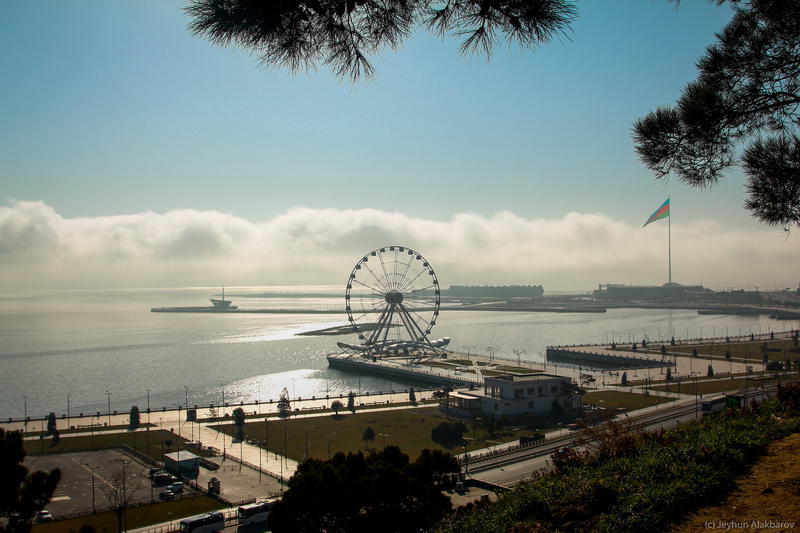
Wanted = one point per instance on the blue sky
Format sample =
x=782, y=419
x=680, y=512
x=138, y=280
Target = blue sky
x=113, y=107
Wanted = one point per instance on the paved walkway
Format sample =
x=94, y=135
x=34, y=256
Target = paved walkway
x=270, y=462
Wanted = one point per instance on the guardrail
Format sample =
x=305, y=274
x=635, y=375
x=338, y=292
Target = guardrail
x=231, y=515
x=498, y=453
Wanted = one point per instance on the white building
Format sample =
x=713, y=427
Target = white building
x=526, y=394
x=181, y=462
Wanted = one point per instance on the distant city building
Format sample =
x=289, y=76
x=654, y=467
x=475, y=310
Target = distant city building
x=669, y=292
x=495, y=291
x=526, y=394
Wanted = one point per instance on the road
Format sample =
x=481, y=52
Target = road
x=512, y=468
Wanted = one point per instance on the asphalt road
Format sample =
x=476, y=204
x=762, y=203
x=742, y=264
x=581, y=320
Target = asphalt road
x=518, y=467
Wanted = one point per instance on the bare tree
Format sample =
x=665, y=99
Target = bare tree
x=119, y=493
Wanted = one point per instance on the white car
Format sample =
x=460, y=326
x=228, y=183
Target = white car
x=44, y=516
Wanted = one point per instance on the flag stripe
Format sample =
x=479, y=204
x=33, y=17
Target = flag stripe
x=661, y=212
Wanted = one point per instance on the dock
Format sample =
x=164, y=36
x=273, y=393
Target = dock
x=399, y=370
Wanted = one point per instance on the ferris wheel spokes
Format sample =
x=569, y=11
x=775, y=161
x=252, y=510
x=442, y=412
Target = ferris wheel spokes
x=404, y=293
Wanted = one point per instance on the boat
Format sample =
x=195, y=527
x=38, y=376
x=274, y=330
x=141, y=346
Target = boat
x=222, y=304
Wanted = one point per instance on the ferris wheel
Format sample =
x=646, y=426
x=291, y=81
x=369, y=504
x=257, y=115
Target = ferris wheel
x=392, y=302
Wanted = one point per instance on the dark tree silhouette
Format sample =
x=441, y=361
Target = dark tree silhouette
x=337, y=406
x=135, y=417
x=449, y=434
x=412, y=396
x=343, y=34
x=368, y=435
x=284, y=405
x=51, y=424
x=382, y=491
x=747, y=94
x=351, y=402
x=238, y=420
x=22, y=493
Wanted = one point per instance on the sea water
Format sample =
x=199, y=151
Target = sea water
x=87, y=344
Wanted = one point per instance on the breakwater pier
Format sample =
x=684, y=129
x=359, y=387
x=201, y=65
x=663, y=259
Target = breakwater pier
x=596, y=359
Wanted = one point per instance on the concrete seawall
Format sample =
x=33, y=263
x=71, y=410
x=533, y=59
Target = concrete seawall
x=600, y=360
x=393, y=370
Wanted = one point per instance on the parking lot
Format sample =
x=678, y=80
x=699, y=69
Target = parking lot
x=89, y=480
x=239, y=482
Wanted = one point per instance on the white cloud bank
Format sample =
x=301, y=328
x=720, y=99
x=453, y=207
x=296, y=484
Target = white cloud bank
x=40, y=248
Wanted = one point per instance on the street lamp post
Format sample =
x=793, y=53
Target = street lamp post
x=147, y=432
x=25, y=402
x=124, y=498
x=466, y=456
x=94, y=507
x=307, y=444
x=109, y=407
x=186, y=390
x=68, y=410
x=329, y=444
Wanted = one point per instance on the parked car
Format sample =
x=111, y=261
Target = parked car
x=44, y=516
x=166, y=495
x=175, y=487
x=162, y=478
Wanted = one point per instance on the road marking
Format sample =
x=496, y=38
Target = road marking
x=92, y=472
x=60, y=498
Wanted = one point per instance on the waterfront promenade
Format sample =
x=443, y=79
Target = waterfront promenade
x=174, y=420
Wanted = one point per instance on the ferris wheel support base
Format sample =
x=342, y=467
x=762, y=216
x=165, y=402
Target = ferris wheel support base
x=412, y=350
x=396, y=369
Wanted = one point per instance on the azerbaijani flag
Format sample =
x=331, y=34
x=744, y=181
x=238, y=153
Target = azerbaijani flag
x=661, y=212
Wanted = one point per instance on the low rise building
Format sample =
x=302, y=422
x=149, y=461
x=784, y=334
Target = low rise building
x=182, y=463
x=514, y=395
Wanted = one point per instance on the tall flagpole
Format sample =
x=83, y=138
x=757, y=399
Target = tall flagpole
x=669, y=239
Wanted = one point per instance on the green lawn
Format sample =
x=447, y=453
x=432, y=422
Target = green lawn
x=743, y=350
x=720, y=385
x=149, y=444
x=618, y=399
x=141, y=516
x=467, y=362
x=517, y=369
x=410, y=429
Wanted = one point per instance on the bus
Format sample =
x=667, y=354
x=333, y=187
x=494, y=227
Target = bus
x=255, y=513
x=712, y=406
x=203, y=523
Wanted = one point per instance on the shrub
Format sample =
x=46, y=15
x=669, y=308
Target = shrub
x=449, y=434
x=628, y=480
